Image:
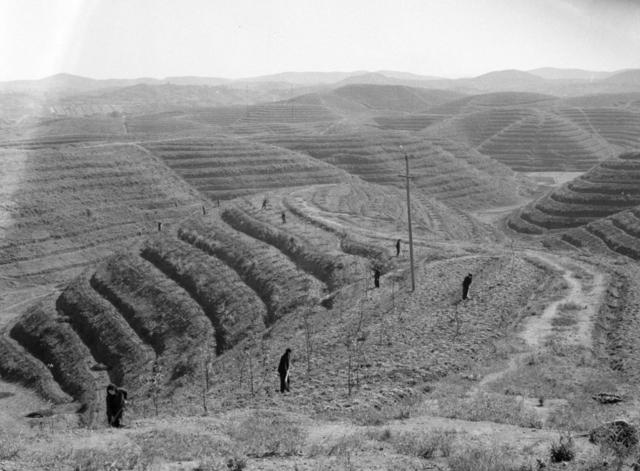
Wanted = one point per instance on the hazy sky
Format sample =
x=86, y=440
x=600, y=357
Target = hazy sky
x=239, y=38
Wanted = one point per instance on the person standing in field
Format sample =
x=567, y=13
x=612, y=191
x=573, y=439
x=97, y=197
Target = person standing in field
x=264, y=203
x=376, y=278
x=465, y=285
x=398, y=248
x=284, y=217
x=116, y=400
x=284, y=368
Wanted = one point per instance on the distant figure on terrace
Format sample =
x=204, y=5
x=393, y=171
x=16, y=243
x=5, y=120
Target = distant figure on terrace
x=465, y=285
x=284, y=218
x=265, y=202
x=284, y=368
x=398, y=248
x=116, y=400
x=376, y=278
x=159, y=227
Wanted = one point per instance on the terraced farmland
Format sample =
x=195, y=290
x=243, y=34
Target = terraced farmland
x=545, y=142
x=60, y=211
x=152, y=317
x=620, y=127
x=225, y=167
x=618, y=233
x=462, y=178
x=601, y=205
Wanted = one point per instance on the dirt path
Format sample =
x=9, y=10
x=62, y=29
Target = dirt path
x=586, y=296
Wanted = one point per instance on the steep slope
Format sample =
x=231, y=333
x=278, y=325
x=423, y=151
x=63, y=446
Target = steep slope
x=66, y=207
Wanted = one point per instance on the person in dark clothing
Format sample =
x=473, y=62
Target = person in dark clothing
x=264, y=203
x=159, y=226
x=376, y=278
x=465, y=285
x=204, y=211
x=284, y=368
x=398, y=248
x=116, y=400
x=284, y=217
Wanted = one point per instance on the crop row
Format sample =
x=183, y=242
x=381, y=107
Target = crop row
x=161, y=313
x=275, y=279
x=233, y=308
x=333, y=269
x=101, y=327
x=53, y=342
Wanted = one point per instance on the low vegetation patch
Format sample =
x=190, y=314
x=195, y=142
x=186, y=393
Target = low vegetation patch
x=339, y=447
x=126, y=457
x=9, y=446
x=493, y=408
x=263, y=435
x=172, y=445
x=491, y=458
x=425, y=445
x=381, y=415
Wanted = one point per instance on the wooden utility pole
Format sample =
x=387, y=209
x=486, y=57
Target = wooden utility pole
x=407, y=176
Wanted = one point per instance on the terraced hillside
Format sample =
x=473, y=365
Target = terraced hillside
x=619, y=126
x=153, y=318
x=618, y=233
x=61, y=210
x=598, y=210
x=545, y=142
x=528, y=139
x=443, y=169
x=224, y=167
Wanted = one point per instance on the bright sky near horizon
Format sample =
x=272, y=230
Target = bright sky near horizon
x=241, y=38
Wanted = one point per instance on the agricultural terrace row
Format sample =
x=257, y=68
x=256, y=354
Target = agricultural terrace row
x=226, y=167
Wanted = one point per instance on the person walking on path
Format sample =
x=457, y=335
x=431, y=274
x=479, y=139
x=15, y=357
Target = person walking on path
x=376, y=278
x=465, y=285
x=284, y=218
x=398, y=248
x=116, y=400
x=284, y=367
x=264, y=203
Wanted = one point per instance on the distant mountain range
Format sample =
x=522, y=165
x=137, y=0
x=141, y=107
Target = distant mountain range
x=543, y=80
x=45, y=96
